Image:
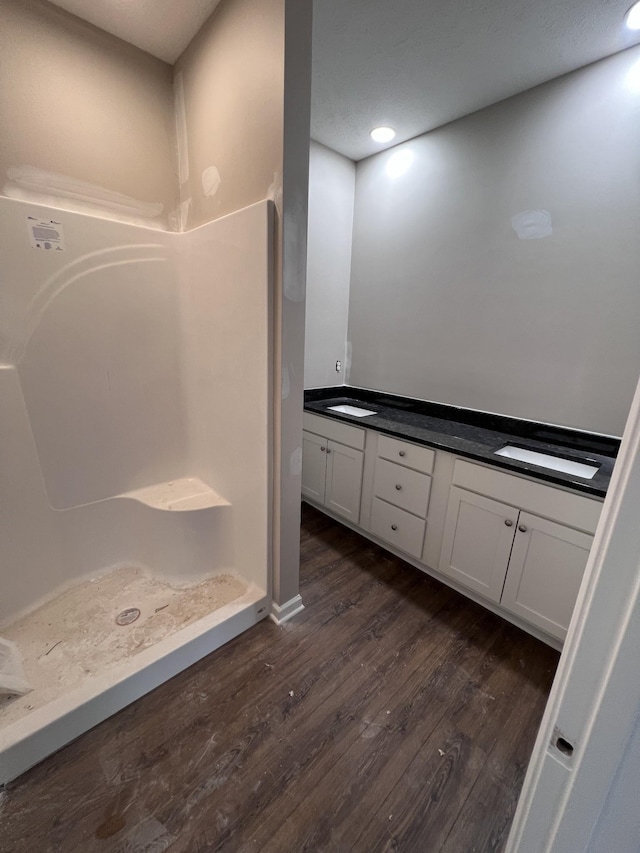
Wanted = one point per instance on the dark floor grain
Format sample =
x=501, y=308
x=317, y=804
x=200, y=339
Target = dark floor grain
x=391, y=715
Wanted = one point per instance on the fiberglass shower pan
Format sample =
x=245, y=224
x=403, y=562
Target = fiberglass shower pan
x=135, y=377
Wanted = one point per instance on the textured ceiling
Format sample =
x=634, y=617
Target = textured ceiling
x=413, y=64
x=417, y=64
x=161, y=27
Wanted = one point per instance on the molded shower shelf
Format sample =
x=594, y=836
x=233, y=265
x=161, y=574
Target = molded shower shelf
x=187, y=493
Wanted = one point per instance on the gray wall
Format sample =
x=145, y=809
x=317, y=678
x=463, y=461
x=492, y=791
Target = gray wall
x=448, y=304
x=230, y=103
x=291, y=249
x=79, y=103
x=331, y=197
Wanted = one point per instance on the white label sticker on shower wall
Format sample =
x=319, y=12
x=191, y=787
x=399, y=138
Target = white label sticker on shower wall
x=47, y=234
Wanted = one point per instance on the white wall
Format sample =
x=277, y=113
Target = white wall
x=448, y=304
x=225, y=275
x=618, y=826
x=91, y=398
x=94, y=331
x=132, y=358
x=331, y=199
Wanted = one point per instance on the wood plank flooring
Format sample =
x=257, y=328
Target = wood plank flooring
x=391, y=715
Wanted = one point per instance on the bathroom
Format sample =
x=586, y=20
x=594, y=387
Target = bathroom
x=211, y=410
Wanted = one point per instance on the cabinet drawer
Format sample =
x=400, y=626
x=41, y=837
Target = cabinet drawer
x=333, y=429
x=402, y=487
x=411, y=455
x=398, y=527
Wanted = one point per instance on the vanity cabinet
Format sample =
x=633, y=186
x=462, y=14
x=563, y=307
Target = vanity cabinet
x=517, y=544
x=332, y=460
x=531, y=564
x=401, y=489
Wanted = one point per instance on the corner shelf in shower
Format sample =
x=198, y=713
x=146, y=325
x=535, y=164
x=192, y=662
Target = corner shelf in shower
x=185, y=494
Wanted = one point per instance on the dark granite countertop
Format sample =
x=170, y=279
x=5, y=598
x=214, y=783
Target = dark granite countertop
x=475, y=435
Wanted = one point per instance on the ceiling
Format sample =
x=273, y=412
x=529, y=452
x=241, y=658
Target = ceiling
x=418, y=64
x=413, y=64
x=161, y=27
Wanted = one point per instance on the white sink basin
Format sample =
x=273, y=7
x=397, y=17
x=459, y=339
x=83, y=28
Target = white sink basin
x=544, y=460
x=351, y=410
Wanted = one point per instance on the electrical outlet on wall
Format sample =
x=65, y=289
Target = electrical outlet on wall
x=338, y=366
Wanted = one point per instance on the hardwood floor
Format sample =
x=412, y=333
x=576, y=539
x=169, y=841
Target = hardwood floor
x=391, y=715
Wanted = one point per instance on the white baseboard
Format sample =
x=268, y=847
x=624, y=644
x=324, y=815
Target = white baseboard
x=281, y=613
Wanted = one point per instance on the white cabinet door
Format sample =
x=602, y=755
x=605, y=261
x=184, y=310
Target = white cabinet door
x=344, y=480
x=314, y=466
x=545, y=572
x=478, y=536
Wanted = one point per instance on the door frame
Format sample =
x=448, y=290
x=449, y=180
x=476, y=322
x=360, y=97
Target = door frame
x=594, y=702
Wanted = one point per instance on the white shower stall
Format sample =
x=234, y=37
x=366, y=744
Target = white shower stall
x=135, y=457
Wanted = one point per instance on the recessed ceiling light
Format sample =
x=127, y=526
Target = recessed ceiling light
x=383, y=134
x=632, y=18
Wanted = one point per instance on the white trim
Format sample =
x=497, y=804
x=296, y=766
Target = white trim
x=281, y=613
x=595, y=698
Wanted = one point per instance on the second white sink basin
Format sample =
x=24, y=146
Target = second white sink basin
x=356, y=411
x=544, y=460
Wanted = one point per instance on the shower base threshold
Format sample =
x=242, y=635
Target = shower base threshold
x=84, y=666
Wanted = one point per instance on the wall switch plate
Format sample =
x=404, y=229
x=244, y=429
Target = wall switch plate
x=338, y=366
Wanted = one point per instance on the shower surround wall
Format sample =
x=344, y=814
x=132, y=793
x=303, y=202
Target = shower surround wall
x=135, y=409
x=142, y=424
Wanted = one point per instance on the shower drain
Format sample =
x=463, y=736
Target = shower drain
x=127, y=616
